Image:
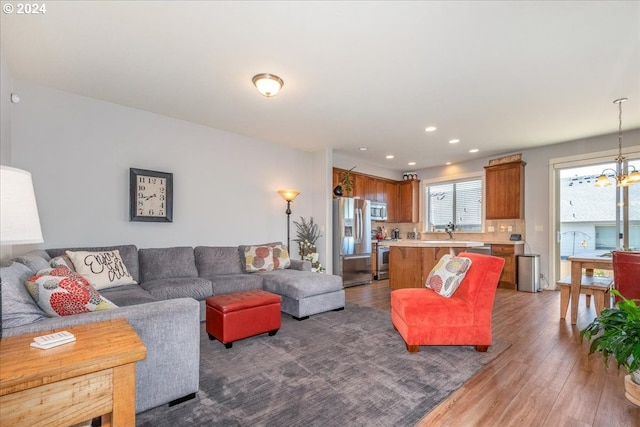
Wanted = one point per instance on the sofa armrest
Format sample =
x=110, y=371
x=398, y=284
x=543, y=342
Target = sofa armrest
x=300, y=264
x=170, y=330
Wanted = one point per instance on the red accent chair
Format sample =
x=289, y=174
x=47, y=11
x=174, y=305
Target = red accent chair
x=626, y=274
x=422, y=317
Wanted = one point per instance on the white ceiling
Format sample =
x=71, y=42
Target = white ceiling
x=500, y=76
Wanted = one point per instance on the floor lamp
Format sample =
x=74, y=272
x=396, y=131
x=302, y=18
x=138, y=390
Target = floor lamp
x=19, y=220
x=288, y=195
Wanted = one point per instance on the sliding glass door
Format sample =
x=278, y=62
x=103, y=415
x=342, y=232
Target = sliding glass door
x=594, y=220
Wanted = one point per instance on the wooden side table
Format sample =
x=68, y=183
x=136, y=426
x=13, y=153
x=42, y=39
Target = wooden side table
x=93, y=376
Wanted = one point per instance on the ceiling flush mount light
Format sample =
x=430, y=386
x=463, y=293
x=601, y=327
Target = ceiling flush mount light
x=390, y=156
x=430, y=129
x=411, y=163
x=454, y=141
x=474, y=150
x=622, y=176
x=363, y=148
x=267, y=84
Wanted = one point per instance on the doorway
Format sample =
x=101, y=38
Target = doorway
x=593, y=220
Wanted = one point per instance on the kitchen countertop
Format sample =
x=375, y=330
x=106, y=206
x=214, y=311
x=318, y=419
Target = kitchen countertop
x=434, y=243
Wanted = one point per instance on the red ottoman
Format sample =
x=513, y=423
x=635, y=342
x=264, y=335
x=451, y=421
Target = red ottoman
x=232, y=317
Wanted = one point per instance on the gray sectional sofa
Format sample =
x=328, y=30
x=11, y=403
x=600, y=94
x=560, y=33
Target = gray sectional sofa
x=166, y=306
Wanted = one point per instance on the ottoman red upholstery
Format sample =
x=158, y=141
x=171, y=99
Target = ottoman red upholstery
x=232, y=317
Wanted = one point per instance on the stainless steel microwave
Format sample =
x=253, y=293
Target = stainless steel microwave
x=378, y=211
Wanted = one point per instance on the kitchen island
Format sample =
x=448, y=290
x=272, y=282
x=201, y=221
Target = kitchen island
x=411, y=261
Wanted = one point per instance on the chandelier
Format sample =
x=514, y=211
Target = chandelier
x=622, y=175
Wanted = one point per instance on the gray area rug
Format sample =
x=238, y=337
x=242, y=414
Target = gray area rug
x=341, y=368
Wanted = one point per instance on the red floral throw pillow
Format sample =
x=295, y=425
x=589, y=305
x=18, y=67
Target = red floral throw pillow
x=62, y=292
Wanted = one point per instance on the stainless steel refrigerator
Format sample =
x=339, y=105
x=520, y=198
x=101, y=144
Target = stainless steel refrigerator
x=352, y=240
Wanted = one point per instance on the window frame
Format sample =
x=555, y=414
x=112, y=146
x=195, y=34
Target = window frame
x=472, y=176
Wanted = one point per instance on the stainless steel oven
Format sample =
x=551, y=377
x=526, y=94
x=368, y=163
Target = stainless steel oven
x=382, y=262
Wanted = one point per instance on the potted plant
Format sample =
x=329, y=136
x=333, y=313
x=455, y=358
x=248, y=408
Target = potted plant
x=307, y=234
x=616, y=332
x=346, y=182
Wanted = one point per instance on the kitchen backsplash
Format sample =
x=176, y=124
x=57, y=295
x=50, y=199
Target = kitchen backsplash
x=502, y=230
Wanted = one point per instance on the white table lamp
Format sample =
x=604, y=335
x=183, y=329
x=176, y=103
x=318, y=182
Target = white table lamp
x=19, y=220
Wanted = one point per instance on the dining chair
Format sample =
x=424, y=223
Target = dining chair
x=626, y=274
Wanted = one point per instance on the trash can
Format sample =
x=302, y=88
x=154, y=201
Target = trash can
x=529, y=273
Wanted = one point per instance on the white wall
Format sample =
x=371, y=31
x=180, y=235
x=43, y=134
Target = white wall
x=79, y=151
x=5, y=112
x=5, y=129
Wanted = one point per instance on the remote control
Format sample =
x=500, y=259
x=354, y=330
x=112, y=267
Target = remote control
x=52, y=338
x=54, y=343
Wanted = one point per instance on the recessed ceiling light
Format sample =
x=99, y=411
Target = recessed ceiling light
x=390, y=156
x=474, y=150
x=454, y=141
x=363, y=148
x=411, y=163
x=430, y=129
x=448, y=163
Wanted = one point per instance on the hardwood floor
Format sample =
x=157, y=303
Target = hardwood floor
x=545, y=378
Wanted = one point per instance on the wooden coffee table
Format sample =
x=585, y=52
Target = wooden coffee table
x=93, y=376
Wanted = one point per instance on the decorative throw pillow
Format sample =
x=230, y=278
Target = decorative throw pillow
x=258, y=258
x=447, y=275
x=62, y=292
x=102, y=269
x=62, y=261
x=281, y=258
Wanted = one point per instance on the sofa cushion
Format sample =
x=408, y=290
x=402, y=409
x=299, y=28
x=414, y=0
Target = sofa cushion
x=229, y=283
x=128, y=295
x=179, y=287
x=62, y=292
x=212, y=260
x=257, y=258
x=447, y=274
x=35, y=260
x=167, y=263
x=18, y=308
x=62, y=261
x=104, y=269
x=129, y=254
x=300, y=284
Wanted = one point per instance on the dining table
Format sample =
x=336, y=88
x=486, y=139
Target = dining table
x=588, y=262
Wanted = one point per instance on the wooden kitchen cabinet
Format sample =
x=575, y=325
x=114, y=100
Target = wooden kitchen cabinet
x=359, y=186
x=392, y=201
x=505, y=190
x=378, y=190
x=409, y=201
x=509, y=253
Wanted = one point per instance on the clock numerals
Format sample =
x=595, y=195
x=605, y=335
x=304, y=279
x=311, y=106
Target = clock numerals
x=151, y=195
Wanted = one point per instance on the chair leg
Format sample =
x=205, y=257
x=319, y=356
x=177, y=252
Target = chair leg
x=565, y=292
x=482, y=348
x=413, y=348
x=588, y=299
x=598, y=297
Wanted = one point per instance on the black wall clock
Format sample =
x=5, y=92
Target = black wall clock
x=150, y=196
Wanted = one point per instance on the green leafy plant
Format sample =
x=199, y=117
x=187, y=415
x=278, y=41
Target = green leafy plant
x=616, y=332
x=307, y=234
x=346, y=181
